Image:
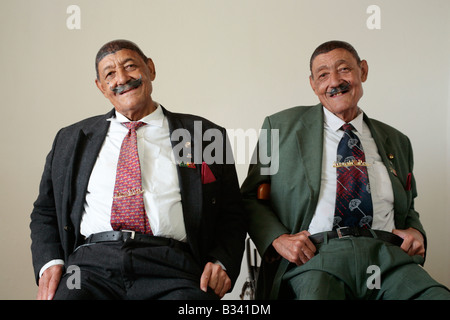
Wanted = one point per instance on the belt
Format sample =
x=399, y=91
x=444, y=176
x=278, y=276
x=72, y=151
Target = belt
x=346, y=232
x=126, y=235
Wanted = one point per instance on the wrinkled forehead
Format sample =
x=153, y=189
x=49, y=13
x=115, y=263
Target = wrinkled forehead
x=332, y=59
x=120, y=57
x=117, y=45
x=114, y=47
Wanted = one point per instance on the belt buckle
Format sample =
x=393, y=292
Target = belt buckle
x=341, y=232
x=131, y=234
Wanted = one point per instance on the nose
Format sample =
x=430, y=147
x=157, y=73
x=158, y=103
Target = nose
x=335, y=79
x=122, y=77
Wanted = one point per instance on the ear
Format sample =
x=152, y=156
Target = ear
x=100, y=87
x=151, y=67
x=364, y=70
x=311, y=82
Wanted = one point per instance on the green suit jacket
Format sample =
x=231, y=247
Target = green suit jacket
x=295, y=182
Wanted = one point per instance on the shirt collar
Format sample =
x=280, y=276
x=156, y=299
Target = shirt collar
x=335, y=123
x=156, y=118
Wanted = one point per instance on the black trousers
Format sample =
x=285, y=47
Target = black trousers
x=131, y=270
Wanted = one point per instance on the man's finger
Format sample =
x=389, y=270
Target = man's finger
x=49, y=281
x=226, y=287
x=42, y=290
x=53, y=285
x=204, y=279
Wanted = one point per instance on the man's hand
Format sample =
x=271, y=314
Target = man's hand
x=48, y=283
x=413, y=242
x=296, y=248
x=216, y=278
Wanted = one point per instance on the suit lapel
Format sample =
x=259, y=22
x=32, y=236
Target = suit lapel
x=386, y=148
x=189, y=177
x=88, y=142
x=381, y=139
x=310, y=143
x=310, y=147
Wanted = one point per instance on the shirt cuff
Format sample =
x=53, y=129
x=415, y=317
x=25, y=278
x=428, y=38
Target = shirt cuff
x=50, y=264
x=220, y=264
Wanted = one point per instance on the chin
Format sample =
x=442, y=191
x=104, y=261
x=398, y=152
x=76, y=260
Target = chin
x=128, y=104
x=339, y=108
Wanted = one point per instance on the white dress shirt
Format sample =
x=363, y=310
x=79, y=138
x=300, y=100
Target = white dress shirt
x=380, y=184
x=162, y=198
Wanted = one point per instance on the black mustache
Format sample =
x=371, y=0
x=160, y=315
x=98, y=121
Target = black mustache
x=341, y=88
x=132, y=84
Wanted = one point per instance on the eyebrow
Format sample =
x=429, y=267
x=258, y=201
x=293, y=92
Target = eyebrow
x=337, y=63
x=110, y=66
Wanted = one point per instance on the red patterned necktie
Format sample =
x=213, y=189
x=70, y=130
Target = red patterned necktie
x=353, y=199
x=128, y=211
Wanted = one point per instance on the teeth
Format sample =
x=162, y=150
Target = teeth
x=338, y=94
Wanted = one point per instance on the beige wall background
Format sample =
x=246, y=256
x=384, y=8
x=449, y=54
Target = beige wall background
x=233, y=62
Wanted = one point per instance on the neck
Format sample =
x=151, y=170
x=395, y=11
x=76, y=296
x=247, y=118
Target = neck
x=139, y=113
x=348, y=115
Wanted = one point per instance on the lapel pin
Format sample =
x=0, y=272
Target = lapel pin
x=187, y=165
x=393, y=171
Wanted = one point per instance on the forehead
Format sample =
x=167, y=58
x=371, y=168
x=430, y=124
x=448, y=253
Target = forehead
x=119, y=58
x=331, y=58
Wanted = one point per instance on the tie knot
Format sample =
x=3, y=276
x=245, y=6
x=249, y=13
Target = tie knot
x=347, y=127
x=133, y=124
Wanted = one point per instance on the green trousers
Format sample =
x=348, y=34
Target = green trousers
x=362, y=268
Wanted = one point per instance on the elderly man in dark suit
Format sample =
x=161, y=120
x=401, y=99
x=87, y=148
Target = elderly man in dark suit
x=132, y=200
x=325, y=232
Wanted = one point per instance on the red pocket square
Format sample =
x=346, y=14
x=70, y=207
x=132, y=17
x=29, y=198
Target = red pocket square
x=408, y=182
x=207, y=175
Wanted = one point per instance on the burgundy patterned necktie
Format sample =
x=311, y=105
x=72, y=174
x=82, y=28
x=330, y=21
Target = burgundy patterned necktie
x=353, y=200
x=128, y=211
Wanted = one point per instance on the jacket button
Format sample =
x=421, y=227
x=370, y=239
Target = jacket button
x=213, y=200
x=67, y=228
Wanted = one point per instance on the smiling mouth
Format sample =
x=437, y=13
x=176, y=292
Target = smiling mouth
x=338, y=94
x=129, y=86
x=340, y=90
x=126, y=91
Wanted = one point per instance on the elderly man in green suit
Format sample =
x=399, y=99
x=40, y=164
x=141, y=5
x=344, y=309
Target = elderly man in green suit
x=308, y=252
